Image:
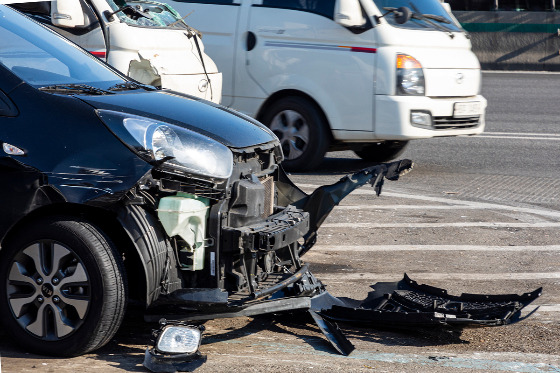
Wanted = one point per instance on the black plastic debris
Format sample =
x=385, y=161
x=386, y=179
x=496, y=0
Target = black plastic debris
x=407, y=304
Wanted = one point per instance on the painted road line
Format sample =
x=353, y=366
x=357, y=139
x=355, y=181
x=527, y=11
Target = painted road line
x=520, y=134
x=452, y=201
x=443, y=225
x=342, y=277
x=541, y=308
x=519, y=137
x=406, y=207
x=479, y=361
x=393, y=248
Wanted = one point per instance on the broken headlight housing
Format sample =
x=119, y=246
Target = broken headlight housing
x=157, y=141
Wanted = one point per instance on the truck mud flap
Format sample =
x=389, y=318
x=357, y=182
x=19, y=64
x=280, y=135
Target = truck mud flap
x=407, y=304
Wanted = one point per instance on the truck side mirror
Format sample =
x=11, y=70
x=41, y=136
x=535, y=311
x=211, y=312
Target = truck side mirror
x=348, y=13
x=67, y=13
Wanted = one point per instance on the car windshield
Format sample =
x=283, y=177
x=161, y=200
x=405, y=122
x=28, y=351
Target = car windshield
x=420, y=7
x=41, y=57
x=147, y=14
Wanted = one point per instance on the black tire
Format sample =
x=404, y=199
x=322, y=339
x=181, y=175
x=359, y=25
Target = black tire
x=302, y=130
x=381, y=151
x=79, y=302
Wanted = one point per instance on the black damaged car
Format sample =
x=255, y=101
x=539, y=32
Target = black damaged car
x=111, y=190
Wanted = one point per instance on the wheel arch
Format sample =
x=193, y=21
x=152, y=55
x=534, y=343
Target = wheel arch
x=107, y=223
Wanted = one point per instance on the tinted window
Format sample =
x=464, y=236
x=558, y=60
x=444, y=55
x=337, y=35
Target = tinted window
x=41, y=57
x=322, y=7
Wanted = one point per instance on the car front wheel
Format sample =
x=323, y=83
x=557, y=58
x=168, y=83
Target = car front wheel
x=62, y=287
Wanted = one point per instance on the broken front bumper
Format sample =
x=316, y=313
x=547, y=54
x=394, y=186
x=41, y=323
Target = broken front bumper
x=403, y=304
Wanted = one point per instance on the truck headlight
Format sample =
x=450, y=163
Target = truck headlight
x=410, y=76
x=176, y=146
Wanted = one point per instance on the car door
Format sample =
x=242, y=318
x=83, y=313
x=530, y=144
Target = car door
x=296, y=45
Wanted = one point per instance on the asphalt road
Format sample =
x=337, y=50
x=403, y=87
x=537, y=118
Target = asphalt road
x=477, y=214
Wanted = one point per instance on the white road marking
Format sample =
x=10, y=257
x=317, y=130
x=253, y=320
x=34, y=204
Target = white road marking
x=451, y=201
x=342, y=277
x=443, y=225
x=520, y=137
x=378, y=248
x=542, y=308
x=406, y=207
x=521, y=134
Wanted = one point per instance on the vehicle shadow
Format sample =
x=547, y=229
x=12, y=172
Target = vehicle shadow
x=302, y=326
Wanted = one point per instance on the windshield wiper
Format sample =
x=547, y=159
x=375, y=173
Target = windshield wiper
x=74, y=88
x=129, y=86
x=428, y=19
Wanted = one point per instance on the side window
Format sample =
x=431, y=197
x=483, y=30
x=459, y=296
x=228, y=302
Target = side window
x=324, y=8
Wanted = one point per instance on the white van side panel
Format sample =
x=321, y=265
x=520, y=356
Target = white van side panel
x=310, y=53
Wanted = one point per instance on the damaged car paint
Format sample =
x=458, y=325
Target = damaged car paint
x=113, y=191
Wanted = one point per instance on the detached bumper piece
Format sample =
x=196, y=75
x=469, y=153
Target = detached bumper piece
x=277, y=231
x=408, y=304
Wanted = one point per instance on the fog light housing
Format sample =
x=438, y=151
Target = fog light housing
x=421, y=118
x=178, y=340
x=175, y=349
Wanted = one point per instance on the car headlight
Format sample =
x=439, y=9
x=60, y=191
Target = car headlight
x=410, y=76
x=179, y=147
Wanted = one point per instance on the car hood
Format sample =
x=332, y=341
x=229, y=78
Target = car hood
x=224, y=125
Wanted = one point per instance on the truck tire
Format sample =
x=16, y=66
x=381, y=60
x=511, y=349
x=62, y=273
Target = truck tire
x=382, y=151
x=302, y=131
x=62, y=287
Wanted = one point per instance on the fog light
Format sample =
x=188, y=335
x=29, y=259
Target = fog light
x=176, y=348
x=421, y=118
x=178, y=340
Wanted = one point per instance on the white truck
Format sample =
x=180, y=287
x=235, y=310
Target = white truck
x=148, y=41
x=366, y=75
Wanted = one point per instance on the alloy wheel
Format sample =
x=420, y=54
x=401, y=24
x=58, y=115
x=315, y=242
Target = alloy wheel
x=48, y=290
x=293, y=131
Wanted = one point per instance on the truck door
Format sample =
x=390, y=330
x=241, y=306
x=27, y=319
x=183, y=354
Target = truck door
x=296, y=45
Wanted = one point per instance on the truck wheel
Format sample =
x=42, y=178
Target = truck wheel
x=382, y=151
x=302, y=131
x=62, y=287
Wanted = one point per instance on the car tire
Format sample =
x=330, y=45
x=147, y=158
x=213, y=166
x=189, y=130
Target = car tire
x=382, y=151
x=62, y=287
x=302, y=130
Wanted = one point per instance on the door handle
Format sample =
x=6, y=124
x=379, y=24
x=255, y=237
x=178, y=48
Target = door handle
x=251, y=41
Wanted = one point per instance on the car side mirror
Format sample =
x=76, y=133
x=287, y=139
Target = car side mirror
x=348, y=13
x=67, y=13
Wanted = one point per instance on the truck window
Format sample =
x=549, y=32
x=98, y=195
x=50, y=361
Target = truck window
x=41, y=12
x=215, y=2
x=324, y=8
